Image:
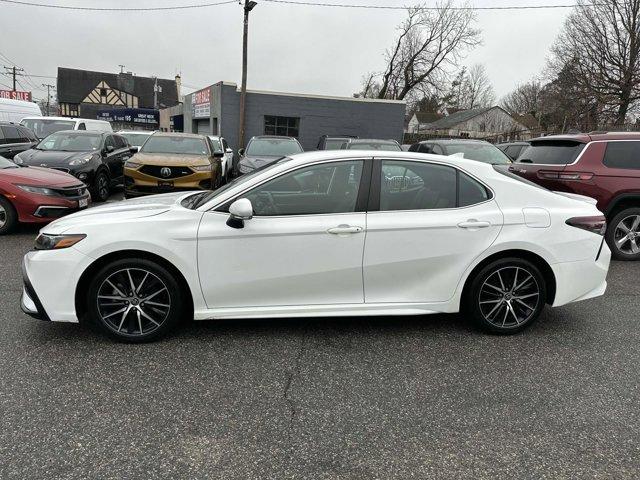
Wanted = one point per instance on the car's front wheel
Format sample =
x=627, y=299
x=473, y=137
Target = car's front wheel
x=506, y=296
x=100, y=190
x=135, y=300
x=623, y=235
x=8, y=216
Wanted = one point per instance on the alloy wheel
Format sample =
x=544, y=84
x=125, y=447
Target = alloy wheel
x=626, y=235
x=509, y=297
x=133, y=302
x=103, y=187
x=3, y=216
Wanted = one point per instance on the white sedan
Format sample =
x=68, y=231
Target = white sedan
x=331, y=233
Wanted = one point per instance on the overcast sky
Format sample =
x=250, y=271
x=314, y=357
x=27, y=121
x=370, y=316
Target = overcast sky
x=292, y=48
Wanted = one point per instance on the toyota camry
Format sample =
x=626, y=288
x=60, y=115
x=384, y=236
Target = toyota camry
x=332, y=233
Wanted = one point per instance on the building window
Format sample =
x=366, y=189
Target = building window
x=285, y=126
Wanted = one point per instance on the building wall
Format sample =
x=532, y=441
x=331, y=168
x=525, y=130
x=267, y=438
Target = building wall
x=318, y=115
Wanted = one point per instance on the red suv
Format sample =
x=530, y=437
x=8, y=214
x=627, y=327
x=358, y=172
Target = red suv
x=603, y=166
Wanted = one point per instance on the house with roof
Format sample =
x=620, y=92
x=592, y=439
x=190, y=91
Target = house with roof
x=128, y=100
x=493, y=123
x=421, y=121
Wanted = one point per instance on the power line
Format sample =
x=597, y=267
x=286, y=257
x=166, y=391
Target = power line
x=119, y=9
x=288, y=2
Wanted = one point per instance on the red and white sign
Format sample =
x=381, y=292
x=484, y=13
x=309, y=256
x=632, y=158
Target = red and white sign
x=15, y=95
x=201, y=103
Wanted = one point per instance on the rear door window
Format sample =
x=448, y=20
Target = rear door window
x=11, y=134
x=624, y=155
x=551, y=152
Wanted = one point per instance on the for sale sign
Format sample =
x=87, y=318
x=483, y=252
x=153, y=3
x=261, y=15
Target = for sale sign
x=201, y=103
x=15, y=95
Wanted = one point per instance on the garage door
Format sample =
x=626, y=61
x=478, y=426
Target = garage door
x=202, y=127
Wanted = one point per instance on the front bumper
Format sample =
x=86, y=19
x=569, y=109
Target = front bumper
x=138, y=183
x=29, y=301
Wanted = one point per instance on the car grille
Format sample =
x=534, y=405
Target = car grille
x=71, y=192
x=156, y=171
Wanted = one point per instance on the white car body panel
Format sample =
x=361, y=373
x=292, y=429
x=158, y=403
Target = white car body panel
x=401, y=263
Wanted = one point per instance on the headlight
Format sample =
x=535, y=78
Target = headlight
x=17, y=160
x=202, y=168
x=81, y=161
x=38, y=190
x=244, y=168
x=132, y=164
x=56, y=242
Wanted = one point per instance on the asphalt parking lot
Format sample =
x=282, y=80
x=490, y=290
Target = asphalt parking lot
x=358, y=398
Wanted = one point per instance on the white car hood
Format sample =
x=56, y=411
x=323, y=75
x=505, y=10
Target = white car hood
x=117, y=212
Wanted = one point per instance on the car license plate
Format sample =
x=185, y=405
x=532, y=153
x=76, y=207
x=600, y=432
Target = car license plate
x=165, y=184
x=83, y=202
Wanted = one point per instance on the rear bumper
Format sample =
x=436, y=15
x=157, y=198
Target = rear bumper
x=576, y=281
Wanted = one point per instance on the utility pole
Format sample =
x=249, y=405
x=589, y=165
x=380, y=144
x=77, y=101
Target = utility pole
x=156, y=89
x=121, y=68
x=49, y=87
x=248, y=6
x=14, y=72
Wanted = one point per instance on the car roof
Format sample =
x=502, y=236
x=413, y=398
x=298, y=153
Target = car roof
x=274, y=137
x=135, y=132
x=456, y=140
x=506, y=144
x=591, y=137
x=371, y=140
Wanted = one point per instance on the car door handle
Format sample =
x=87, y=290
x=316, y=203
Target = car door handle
x=344, y=230
x=473, y=224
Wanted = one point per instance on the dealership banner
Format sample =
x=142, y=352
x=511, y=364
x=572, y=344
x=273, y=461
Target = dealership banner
x=201, y=103
x=142, y=116
x=15, y=95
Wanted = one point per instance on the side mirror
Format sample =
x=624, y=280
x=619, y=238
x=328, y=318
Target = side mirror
x=228, y=150
x=134, y=149
x=109, y=148
x=239, y=211
x=218, y=154
x=241, y=152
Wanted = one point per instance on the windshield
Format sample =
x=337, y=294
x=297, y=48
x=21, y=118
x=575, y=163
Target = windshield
x=217, y=145
x=199, y=199
x=386, y=146
x=136, y=139
x=71, y=142
x=334, y=143
x=4, y=163
x=175, y=144
x=481, y=152
x=551, y=152
x=272, y=147
x=43, y=127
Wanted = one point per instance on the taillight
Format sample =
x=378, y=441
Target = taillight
x=551, y=175
x=596, y=224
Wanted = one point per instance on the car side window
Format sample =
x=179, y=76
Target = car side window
x=317, y=189
x=81, y=126
x=437, y=149
x=108, y=142
x=416, y=186
x=624, y=155
x=424, y=148
x=27, y=134
x=11, y=134
x=470, y=191
x=225, y=145
x=120, y=142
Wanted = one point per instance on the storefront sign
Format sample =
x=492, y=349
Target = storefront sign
x=15, y=95
x=130, y=115
x=201, y=103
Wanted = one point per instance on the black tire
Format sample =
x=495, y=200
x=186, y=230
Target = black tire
x=8, y=216
x=100, y=190
x=494, y=305
x=615, y=234
x=153, y=281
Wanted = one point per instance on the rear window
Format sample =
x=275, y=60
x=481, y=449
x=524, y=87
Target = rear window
x=551, y=152
x=622, y=155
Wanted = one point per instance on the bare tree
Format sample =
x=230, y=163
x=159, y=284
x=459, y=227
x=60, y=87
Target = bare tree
x=477, y=90
x=525, y=98
x=602, y=41
x=429, y=44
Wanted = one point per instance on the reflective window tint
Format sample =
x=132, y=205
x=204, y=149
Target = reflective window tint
x=318, y=189
x=623, y=155
x=416, y=186
x=470, y=191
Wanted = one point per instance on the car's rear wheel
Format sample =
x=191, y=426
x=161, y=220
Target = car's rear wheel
x=623, y=235
x=100, y=191
x=507, y=296
x=8, y=216
x=135, y=300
